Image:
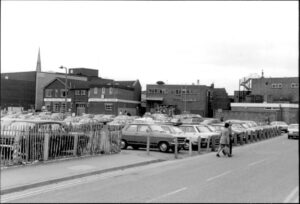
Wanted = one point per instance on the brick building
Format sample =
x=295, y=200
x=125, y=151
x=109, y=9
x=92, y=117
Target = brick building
x=277, y=90
x=113, y=97
x=197, y=99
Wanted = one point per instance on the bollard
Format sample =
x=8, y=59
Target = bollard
x=176, y=148
x=251, y=136
x=46, y=146
x=190, y=146
x=234, y=139
x=75, y=145
x=213, y=143
x=246, y=138
x=208, y=141
x=199, y=144
x=242, y=138
x=148, y=144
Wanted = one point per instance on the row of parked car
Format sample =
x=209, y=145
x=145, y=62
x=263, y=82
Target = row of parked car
x=161, y=129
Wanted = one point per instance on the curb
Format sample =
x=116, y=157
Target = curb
x=43, y=183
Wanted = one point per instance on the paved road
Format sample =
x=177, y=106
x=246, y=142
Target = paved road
x=266, y=171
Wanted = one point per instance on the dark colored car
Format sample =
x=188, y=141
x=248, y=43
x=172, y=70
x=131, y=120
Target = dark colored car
x=135, y=135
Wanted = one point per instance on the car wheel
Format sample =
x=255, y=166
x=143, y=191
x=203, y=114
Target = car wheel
x=163, y=146
x=123, y=144
x=186, y=146
x=289, y=137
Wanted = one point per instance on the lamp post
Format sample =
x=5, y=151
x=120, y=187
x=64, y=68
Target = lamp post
x=66, y=82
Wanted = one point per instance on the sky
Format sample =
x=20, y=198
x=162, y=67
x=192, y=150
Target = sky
x=178, y=42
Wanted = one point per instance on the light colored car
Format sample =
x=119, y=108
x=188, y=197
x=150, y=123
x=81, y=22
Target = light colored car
x=135, y=135
x=194, y=131
x=293, y=131
x=283, y=126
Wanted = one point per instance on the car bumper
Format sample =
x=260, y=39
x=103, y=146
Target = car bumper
x=293, y=135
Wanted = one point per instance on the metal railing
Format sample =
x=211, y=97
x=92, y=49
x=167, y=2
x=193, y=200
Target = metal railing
x=24, y=145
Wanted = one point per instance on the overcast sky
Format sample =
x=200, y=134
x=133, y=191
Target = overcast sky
x=178, y=42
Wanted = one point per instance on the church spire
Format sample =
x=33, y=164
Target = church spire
x=38, y=64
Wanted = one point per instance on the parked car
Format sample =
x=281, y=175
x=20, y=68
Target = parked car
x=194, y=131
x=135, y=135
x=208, y=121
x=283, y=126
x=293, y=131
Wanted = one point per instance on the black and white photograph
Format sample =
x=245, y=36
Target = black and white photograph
x=149, y=101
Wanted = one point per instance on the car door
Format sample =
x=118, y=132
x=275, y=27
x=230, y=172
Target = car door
x=130, y=133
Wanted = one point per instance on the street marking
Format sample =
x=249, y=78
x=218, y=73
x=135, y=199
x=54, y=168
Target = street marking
x=291, y=195
x=257, y=162
x=223, y=174
x=168, y=194
x=56, y=186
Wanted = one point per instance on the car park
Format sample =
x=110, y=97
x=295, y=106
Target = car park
x=135, y=135
x=293, y=131
x=193, y=131
x=283, y=125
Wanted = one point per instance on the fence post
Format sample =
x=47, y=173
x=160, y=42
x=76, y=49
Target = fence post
x=251, y=136
x=75, y=145
x=148, y=144
x=199, y=144
x=176, y=148
x=46, y=146
x=190, y=146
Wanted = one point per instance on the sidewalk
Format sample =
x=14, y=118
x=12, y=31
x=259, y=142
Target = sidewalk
x=25, y=177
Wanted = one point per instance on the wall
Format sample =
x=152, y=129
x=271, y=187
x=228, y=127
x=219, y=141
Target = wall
x=263, y=86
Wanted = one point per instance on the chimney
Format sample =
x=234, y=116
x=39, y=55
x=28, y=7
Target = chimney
x=38, y=64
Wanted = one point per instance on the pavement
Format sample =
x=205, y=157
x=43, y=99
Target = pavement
x=21, y=178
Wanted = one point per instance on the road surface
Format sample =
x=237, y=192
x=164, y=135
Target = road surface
x=266, y=171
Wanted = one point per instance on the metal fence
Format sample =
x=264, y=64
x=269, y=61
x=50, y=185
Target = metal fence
x=26, y=145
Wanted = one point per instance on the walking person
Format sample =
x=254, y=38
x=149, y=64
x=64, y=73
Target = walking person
x=224, y=141
x=230, y=139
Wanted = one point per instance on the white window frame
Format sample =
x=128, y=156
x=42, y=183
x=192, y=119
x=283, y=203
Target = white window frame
x=103, y=90
x=108, y=106
x=294, y=85
x=77, y=92
x=48, y=93
x=111, y=91
x=95, y=90
x=82, y=92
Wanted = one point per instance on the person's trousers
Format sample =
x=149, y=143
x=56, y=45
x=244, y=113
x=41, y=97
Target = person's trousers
x=230, y=145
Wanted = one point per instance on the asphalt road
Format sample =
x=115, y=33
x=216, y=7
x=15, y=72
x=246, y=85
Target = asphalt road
x=266, y=171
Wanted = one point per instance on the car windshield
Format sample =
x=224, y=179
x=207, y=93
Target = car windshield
x=157, y=128
x=167, y=129
x=294, y=126
x=237, y=125
x=203, y=129
x=176, y=129
x=245, y=125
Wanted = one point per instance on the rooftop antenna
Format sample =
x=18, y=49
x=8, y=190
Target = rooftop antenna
x=262, y=73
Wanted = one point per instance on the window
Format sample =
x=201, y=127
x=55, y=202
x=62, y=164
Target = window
x=177, y=92
x=132, y=128
x=276, y=86
x=56, y=93
x=63, y=107
x=82, y=92
x=48, y=93
x=108, y=106
x=77, y=92
x=103, y=90
x=294, y=85
x=110, y=90
x=62, y=93
x=144, y=129
x=56, y=107
x=95, y=90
